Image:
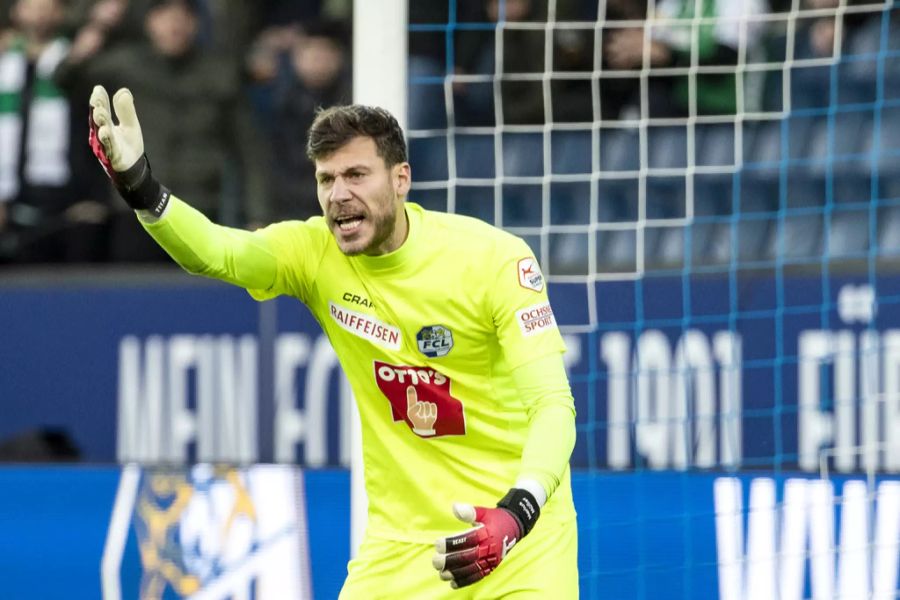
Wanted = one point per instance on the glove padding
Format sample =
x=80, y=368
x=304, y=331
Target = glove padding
x=470, y=556
x=120, y=149
x=117, y=147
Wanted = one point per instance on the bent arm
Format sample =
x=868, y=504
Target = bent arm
x=544, y=388
x=201, y=247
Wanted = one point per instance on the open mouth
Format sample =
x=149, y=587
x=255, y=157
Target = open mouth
x=349, y=223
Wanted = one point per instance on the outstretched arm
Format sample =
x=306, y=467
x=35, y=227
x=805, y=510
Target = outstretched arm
x=193, y=241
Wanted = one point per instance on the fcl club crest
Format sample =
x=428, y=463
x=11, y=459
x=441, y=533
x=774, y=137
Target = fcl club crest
x=434, y=341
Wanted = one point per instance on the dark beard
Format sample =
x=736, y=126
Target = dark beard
x=383, y=227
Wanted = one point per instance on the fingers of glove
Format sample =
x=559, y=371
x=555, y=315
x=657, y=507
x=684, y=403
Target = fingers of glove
x=466, y=575
x=100, y=116
x=454, y=560
x=104, y=134
x=465, y=512
x=99, y=98
x=461, y=541
x=123, y=102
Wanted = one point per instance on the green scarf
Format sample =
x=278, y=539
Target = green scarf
x=47, y=147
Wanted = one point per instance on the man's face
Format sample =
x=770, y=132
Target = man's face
x=318, y=61
x=362, y=198
x=37, y=18
x=172, y=29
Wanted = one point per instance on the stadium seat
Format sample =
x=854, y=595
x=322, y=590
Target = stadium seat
x=889, y=231
x=475, y=156
x=568, y=254
x=523, y=154
x=427, y=108
x=619, y=150
x=428, y=156
x=522, y=205
x=714, y=143
x=665, y=246
x=616, y=251
x=762, y=143
x=476, y=201
x=848, y=235
x=570, y=203
x=796, y=236
x=889, y=144
x=666, y=147
x=617, y=199
x=571, y=152
x=432, y=199
x=857, y=71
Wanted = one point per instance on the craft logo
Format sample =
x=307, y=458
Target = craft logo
x=535, y=319
x=434, y=341
x=530, y=276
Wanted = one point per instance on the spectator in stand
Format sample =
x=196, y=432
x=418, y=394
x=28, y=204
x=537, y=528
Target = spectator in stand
x=52, y=209
x=268, y=68
x=319, y=77
x=670, y=45
x=116, y=20
x=196, y=120
x=523, y=53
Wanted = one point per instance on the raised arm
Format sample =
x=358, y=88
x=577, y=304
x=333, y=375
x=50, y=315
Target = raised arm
x=193, y=241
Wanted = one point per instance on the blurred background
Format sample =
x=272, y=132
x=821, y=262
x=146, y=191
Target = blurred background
x=712, y=189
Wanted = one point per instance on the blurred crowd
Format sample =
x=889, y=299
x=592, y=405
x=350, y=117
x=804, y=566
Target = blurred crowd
x=227, y=89
x=221, y=88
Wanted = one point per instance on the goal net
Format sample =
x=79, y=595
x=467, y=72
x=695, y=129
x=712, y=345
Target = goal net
x=713, y=190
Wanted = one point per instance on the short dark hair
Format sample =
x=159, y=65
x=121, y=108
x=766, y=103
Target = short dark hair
x=336, y=126
x=192, y=6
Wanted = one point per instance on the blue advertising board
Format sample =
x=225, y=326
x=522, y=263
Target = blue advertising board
x=82, y=533
x=674, y=372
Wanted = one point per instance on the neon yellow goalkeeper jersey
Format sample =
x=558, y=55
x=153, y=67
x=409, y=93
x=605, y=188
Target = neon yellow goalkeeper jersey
x=428, y=336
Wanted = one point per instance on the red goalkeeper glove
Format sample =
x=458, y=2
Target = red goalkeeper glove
x=470, y=556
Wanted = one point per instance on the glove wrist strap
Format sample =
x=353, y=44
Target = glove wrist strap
x=523, y=506
x=140, y=189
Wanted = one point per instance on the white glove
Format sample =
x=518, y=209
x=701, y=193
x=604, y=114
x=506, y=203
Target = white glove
x=123, y=144
x=120, y=149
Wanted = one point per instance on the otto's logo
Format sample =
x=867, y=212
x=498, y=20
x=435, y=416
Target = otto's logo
x=535, y=319
x=434, y=341
x=530, y=276
x=421, y=398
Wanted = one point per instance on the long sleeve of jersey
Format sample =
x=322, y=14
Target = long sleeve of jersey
x=201, y=247
x=544, y=389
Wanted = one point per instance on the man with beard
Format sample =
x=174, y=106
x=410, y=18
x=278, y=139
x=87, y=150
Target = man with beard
x=443, y=326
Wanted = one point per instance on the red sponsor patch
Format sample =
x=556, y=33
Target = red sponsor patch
x=421, y=397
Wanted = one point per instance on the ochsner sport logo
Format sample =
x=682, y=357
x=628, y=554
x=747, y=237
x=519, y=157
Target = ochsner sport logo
x=535, y=319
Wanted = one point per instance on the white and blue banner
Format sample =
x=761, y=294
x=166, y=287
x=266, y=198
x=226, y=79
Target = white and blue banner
x=279, y=532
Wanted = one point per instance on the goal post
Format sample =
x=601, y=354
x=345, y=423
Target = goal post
x=379, y=79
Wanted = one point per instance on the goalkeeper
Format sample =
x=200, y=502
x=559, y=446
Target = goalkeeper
x=443, y=326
